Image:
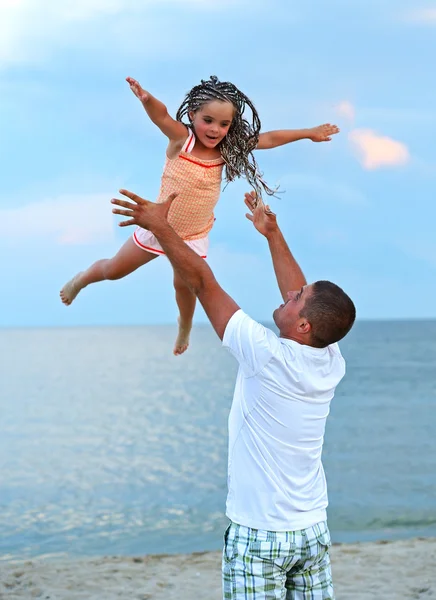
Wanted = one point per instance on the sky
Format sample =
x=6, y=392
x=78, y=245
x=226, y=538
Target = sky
x=359, y=210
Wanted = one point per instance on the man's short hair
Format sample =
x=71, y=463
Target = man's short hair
x=330, y=312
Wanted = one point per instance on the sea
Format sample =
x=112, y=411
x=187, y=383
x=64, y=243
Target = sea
x=110, y=445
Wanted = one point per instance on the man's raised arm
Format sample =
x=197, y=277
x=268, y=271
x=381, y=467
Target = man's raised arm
x=196, y=273
x=288, y=273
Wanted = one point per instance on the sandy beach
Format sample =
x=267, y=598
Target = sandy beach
x=390, y=570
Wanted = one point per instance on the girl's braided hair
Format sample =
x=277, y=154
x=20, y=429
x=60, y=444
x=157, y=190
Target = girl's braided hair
x=241, y=139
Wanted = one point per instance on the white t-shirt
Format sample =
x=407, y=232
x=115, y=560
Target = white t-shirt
x=280, y=405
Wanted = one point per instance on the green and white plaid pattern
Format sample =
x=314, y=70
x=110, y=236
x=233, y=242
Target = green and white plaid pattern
x=269, y=565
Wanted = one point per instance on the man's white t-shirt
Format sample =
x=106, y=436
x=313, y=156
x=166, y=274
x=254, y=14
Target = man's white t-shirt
x=280, y=405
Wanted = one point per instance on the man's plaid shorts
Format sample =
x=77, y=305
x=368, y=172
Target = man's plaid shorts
x=269, y=565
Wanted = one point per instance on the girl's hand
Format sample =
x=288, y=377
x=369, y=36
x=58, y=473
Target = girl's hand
x=139, y=92
x=323, y=133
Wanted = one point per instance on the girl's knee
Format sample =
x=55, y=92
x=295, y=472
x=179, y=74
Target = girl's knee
x=183, y=291
x=180, y=285
x=113, y=270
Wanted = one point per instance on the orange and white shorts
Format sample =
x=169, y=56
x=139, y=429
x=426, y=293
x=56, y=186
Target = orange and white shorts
x=147, y=241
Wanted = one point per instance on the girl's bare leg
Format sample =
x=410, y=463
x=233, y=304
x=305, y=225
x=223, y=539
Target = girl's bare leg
x=186, y=302
x=128, y=258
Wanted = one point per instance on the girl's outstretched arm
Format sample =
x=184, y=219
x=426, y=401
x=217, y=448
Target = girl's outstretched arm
x=158, y=113
x=272, y=139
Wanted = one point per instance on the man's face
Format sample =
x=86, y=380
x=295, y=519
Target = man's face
x=288, y=313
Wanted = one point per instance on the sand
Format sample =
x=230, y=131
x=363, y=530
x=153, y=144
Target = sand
x=398, y=570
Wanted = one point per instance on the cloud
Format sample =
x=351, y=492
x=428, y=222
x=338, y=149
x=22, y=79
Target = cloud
x=30, y=30
x=424, y=16
x=346, y=110
x=66, y=220
x=375, y=151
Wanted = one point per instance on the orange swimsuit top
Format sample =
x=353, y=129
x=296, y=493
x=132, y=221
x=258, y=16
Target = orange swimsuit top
x=198, y=185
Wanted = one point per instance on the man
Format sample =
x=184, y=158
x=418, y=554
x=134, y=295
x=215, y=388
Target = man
x=276, y=545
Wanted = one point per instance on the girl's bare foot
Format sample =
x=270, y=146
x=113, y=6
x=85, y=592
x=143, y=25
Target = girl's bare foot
x=323, y=133
x=182, y=341
x=71, y=289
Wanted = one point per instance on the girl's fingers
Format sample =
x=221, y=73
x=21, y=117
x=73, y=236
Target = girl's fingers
x=249, y=217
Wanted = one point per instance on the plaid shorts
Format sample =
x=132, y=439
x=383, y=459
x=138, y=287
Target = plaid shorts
x=269, y=565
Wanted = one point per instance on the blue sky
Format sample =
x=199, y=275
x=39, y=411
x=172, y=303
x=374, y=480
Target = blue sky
x=359, y=211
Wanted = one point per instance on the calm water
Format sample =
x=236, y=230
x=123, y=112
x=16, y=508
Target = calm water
x=109, y=445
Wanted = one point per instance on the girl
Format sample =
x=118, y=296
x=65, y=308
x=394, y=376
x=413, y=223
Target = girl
x=217, y=137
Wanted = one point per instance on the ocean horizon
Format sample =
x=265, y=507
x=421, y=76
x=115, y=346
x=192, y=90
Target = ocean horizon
x=205, y=323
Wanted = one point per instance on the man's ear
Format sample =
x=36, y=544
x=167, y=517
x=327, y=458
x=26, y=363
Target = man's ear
x=304, y=326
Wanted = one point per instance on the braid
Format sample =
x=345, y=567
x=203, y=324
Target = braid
x=238, y=145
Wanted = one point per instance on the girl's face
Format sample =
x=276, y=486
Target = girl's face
x=212, y=121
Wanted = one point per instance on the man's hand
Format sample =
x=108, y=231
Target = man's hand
x=323, y=133
x=144, y=213
x=261, y=216
x=194, y=271
x=139, y=92
x=288, y=273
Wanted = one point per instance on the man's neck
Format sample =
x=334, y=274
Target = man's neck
x=296, y=338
